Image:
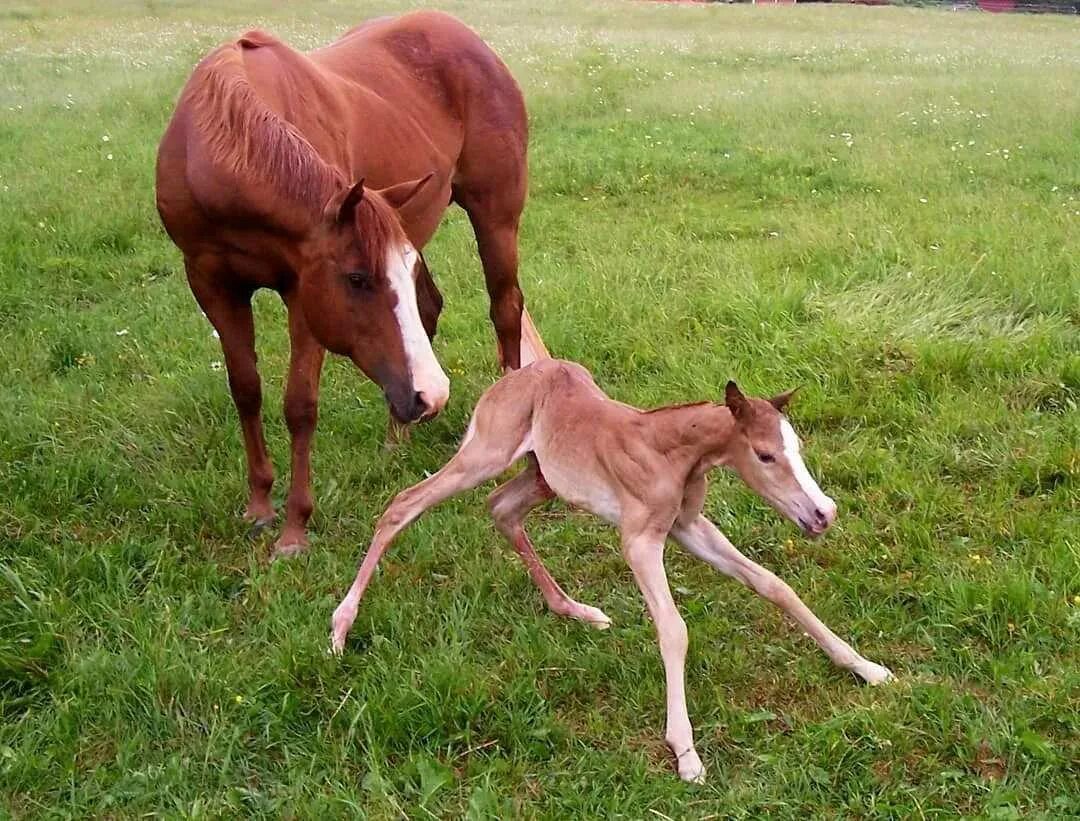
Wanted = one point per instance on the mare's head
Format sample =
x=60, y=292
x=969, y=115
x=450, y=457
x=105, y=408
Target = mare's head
x=367, y=295
x=764, y=451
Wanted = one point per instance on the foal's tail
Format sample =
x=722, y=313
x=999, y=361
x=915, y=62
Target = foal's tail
x=532, y=346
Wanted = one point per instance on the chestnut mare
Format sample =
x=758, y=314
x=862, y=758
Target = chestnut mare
x=321, y=176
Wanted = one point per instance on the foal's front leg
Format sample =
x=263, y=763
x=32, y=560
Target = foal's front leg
x=644, y=552
x=703, y=539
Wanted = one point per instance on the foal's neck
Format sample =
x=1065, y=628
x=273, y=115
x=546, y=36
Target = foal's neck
x=696, y=435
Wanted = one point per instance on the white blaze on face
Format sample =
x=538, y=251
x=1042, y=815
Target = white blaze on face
x=802, y=475
x=428, y=377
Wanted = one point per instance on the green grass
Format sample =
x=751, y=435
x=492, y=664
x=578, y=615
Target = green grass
x=882, y=205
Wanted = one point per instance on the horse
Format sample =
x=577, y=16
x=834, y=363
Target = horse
x=644, y=472
x=322, y=176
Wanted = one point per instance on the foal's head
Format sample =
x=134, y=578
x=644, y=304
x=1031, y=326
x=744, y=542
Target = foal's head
x=361, y=300
x=764, y=451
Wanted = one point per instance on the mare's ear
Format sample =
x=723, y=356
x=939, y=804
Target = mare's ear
x=781, y=400
x=736, y=402
x=399, y=195
x=342, y=204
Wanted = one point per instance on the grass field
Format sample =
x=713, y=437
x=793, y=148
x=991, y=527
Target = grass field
x=882, y=205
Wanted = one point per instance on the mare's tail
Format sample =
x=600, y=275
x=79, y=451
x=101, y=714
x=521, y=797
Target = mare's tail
x=532, y=346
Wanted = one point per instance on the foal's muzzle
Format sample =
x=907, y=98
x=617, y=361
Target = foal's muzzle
x=818, y=519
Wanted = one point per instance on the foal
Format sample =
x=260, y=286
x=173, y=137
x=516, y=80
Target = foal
x=645, y=473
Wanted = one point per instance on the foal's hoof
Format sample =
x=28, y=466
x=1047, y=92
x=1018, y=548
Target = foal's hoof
x=342, y=620
x=874, y=673
x=337, y=643
x=594, y=617
x=690, y=767
x=284, y=548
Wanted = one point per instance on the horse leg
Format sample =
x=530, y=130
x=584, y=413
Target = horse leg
x=490, y=447
x=510, y=503
x=643, y=549
x=701, y=538
x=301, y=416
x=229, y=311
x=495, y=214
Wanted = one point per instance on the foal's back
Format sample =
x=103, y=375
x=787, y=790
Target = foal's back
x=555, y=410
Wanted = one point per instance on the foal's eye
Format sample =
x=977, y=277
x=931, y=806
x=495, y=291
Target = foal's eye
x=767, y=458
x=361, y=280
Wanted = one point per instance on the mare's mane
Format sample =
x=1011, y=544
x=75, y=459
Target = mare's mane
x=246, y=137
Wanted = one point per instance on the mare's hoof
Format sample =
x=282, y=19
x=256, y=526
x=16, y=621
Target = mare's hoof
x=284, y=549
x=258, y=525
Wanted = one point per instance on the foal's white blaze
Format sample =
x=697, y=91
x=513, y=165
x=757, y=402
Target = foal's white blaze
x=802, y=475
x=428, y=377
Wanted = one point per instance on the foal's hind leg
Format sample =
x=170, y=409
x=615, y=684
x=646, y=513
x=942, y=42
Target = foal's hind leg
x=510, y=503
x=229, y=311
x=482, y=456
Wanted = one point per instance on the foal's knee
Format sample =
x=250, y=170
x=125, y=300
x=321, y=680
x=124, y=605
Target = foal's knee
x=771, y=587
x=674, y=637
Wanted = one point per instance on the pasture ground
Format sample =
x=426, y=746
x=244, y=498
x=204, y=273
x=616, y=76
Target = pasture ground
x=879, y=204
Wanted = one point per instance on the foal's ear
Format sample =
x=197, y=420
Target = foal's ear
x=399, y=195
x=736, y=402
x=342, y=204
x=781, y=400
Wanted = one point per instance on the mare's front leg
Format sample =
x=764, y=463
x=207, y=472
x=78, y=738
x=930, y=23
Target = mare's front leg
x=703, y=539
x=301, y=416
x=229, y=311
x=643, y=548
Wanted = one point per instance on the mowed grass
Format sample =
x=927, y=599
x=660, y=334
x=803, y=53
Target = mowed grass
x=880, y=205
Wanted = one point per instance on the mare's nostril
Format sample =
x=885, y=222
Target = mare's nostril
x=409, y=407
x=419, y=406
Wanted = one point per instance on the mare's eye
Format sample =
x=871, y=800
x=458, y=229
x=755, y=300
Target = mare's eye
x=360, y=280
x=767, y=458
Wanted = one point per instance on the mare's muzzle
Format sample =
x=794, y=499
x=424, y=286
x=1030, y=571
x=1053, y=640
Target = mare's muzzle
x=409, y=405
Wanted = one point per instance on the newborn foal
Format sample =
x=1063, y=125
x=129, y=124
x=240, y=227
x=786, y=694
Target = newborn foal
x=645, y=473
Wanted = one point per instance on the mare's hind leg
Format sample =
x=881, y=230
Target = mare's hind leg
x=510, y=503
x=229, y=311
x=493, y=442
x=491, y=188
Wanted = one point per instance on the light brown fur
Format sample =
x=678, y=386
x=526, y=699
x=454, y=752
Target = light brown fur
x=645, y=472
